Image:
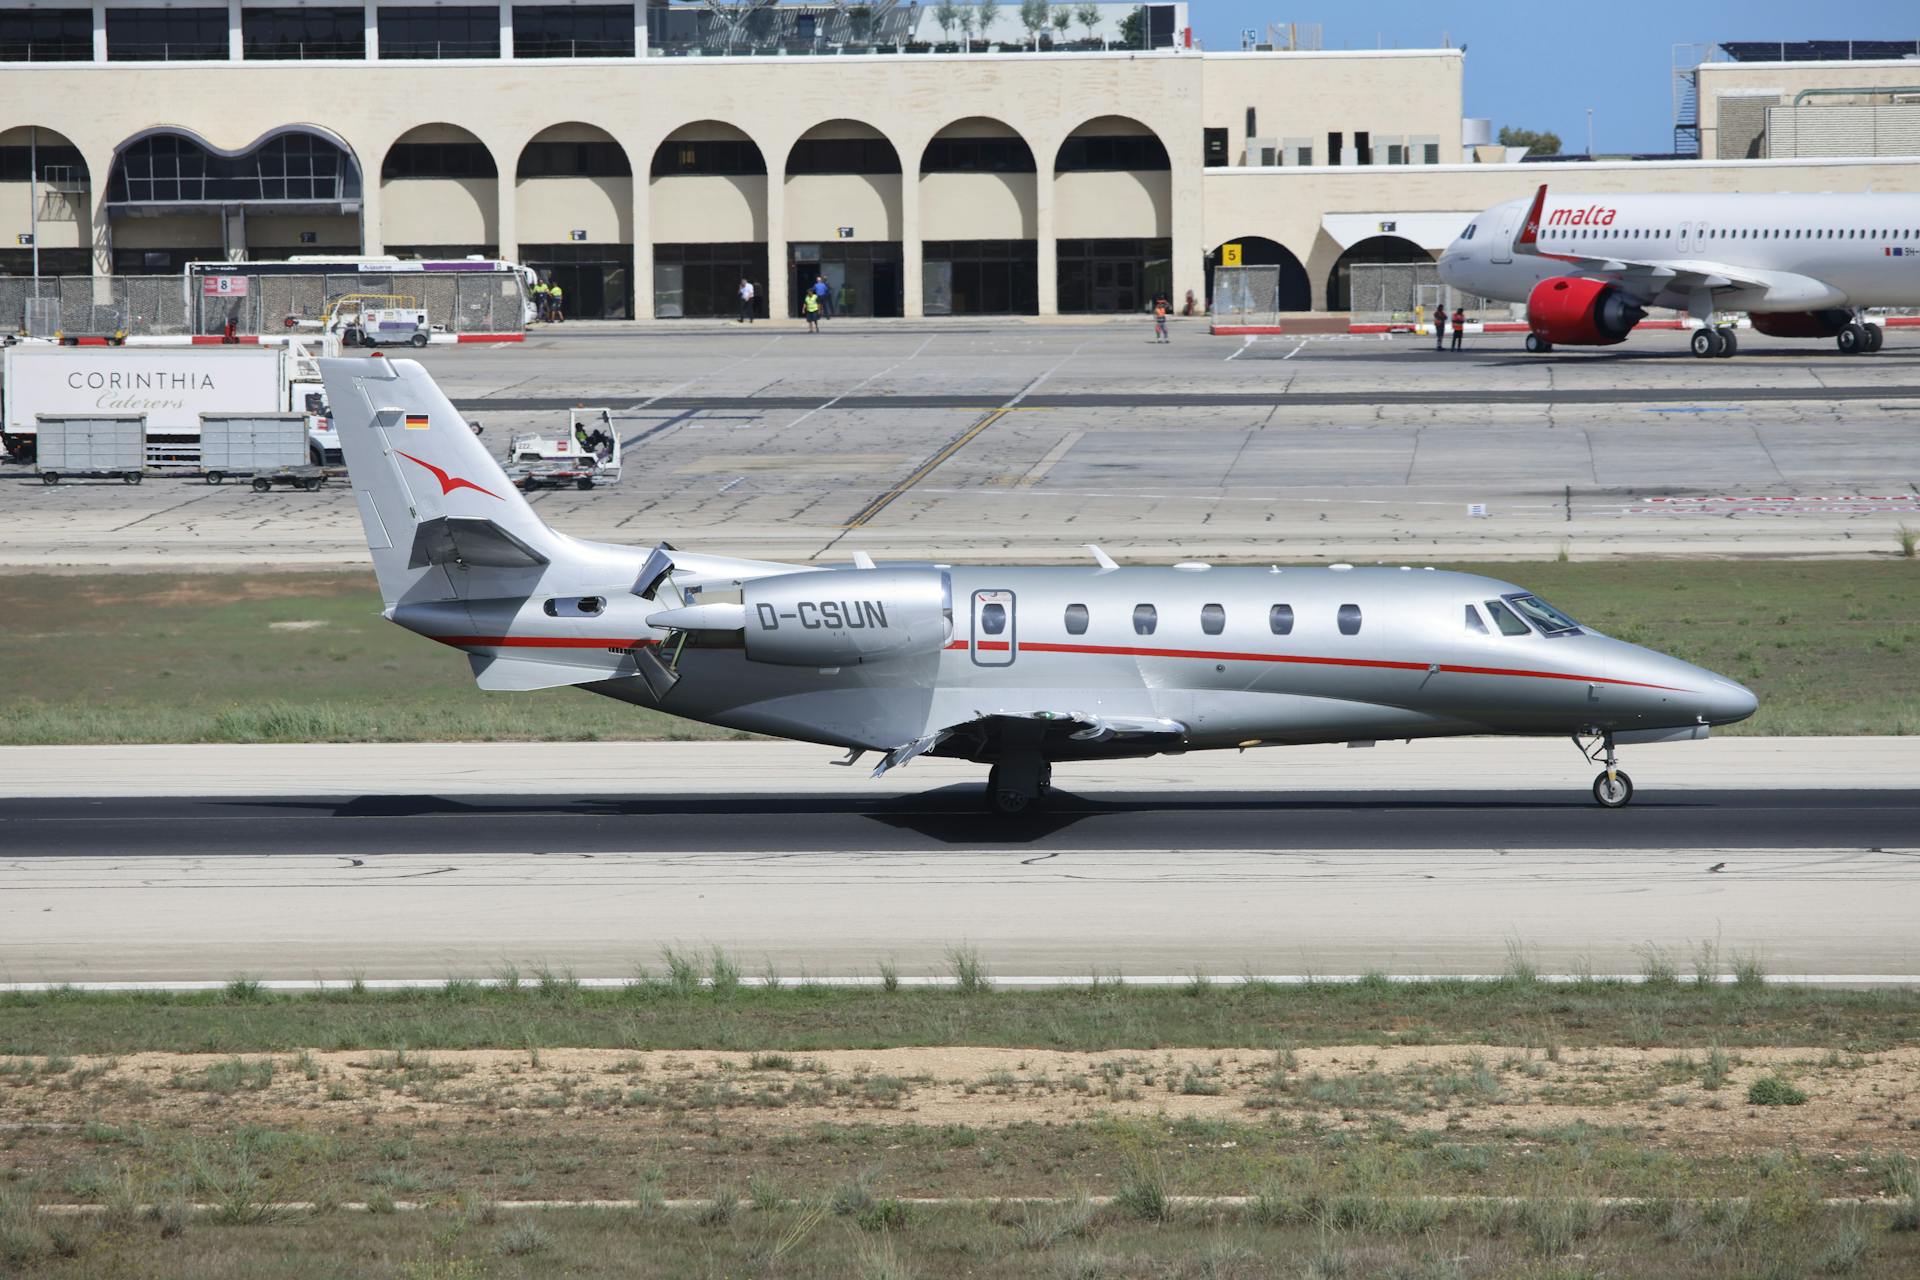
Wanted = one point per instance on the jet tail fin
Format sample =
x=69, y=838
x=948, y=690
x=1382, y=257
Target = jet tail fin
x=1529, y=235
x=442, y=520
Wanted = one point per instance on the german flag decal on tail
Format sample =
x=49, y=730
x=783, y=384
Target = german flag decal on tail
x=417, y=422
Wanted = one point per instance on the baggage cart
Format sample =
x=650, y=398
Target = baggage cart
x=112, y=445
x=268, y=448
x=588, y=455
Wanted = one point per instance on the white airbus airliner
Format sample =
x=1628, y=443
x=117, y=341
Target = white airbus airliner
x=1800, y=266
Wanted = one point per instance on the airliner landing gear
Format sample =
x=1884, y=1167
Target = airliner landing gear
x=1536, y=343
x=1017, y=784
x=1613, y=788
x=1709, y=342
x=1860, y=338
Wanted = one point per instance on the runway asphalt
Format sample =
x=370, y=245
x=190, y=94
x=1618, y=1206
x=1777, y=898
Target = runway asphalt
x=433, y=860
x=952, y=816
x=1215, y=399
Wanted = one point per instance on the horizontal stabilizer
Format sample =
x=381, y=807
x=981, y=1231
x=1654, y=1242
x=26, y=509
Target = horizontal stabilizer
x=518, y=675
x=470, y=540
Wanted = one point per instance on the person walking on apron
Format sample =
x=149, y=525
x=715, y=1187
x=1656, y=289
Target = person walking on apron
x=1459, y=326
x=810, y=308
x=1160, y=319
x=746, y=300
x=1440, y=328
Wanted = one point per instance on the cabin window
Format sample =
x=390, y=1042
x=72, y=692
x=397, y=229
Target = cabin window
x=1280, y=619
x=1145, y=619
x=1076, y=619
x=1213, y=618
x=1349, y=617
x=1474, y=624
x=1548, y=619
x=1504, y=619
x=993, y=618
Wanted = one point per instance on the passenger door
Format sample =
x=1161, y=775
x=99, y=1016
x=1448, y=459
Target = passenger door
x=994, y=642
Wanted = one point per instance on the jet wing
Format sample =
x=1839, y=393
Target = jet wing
x=1075, y=731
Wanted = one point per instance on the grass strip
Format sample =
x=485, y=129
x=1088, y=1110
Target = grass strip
x=683, y=1012
x=292, y=657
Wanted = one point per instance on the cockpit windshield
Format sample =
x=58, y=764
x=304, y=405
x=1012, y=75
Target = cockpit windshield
x=1548, y=619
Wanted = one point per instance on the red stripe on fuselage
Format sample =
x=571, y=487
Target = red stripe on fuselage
x=1377, y=664
x=1109, y=650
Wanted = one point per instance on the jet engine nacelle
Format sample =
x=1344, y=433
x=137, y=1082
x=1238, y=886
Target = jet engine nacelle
x=842, y=617
x=1801, y=324
x=1581, y=313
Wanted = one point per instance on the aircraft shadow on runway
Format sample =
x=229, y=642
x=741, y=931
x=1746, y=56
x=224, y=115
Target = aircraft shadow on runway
x=955, y=814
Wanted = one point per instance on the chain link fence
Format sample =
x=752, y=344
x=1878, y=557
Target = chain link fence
x=462, y=302
x=1409, y=292
x=1246, y=295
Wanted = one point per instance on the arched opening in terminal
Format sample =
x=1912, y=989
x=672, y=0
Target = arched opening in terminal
x=979, y=220
x=46, y=193
x=1113, y=217
x=174, y=198
x=440, y=195
x=1295, y=289
x=573, y=199
x=1375, y=251
x=707, y=194
x=843, y=220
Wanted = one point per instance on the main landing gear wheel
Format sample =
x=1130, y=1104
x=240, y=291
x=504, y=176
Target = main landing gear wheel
x=1707, y=343
x=1729, y=343
x=1852, y=340
x=1875, y=337
x=1613, y=789
x=1537, y=344
x=1016, y=788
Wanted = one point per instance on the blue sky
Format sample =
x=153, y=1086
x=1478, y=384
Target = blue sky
x=1540, y=65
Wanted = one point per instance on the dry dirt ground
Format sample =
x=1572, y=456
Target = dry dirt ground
x=456, y=1106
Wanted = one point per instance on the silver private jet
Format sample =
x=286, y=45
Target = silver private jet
x=1014, y=668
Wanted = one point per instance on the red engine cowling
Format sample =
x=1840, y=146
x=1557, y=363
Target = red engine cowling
x=1801, y=324
x=1581, y=313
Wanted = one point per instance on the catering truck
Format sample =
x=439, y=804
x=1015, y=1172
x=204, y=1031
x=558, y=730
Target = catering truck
x=170, y=386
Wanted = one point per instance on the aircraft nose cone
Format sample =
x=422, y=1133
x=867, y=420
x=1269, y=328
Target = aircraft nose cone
x=1728, y=701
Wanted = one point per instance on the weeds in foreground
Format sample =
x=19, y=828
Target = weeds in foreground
x=969, y=971
x=1143, y=1192
x=1773, y=1091
x=1909, y=540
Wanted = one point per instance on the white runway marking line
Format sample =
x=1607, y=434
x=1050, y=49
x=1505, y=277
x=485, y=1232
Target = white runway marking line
x=1036, y=982
x=751, y=355
x=1249, y=341
x=1296, y=351
x=1053, y=455
x=856, y=386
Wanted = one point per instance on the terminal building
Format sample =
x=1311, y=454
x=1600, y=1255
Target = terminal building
x=649, y=156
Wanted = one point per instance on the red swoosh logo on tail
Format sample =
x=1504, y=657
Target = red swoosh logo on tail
x=448, y=483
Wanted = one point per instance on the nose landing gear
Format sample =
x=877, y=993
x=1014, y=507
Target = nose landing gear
x=1613, y=788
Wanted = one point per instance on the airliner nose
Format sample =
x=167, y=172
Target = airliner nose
x=1727, y=702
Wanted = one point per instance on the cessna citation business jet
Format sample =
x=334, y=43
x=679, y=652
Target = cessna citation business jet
x=1800, y=266
x=1013, y=668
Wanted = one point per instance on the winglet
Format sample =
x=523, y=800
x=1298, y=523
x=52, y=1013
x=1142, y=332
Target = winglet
x=861, y=560
x=1530, y=227
x=1101, y=558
